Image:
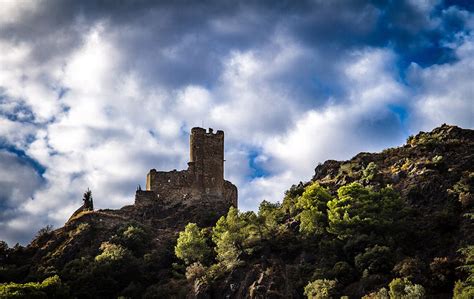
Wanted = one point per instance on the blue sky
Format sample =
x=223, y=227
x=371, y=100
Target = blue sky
x=93, y=93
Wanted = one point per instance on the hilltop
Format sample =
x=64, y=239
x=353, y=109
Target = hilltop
x=352, y=230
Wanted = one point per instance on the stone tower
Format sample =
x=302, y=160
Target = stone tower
x=207, y=160
x=202, y=183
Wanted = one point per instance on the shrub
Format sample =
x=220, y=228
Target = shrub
x=195, y=271
x=377, y=259
x=369, y=172
x=411, y=268
x=134, y=237
x=51, y=287
x=442, y=272
x=343, y=272
x=112, y=253
x=45, y=231
x=463, y=290
x=380, y=294
x=405, y=289
x=320, y=289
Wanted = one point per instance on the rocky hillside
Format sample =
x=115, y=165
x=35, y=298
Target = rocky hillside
x=380, y=225
x=433, y=175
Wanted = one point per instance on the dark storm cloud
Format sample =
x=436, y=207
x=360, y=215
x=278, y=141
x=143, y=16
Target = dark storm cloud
x=176, y=43
x=20, y=177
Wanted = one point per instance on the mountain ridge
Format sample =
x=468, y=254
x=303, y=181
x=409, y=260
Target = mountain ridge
x=432, y=175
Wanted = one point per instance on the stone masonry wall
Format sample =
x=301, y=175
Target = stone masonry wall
x=203, y=181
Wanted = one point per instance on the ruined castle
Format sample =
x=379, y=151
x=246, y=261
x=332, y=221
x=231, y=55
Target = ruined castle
x=202, y=183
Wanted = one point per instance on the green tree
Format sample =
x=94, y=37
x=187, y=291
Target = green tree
x=270, y=218
x=465, y=289
x=88, y=200
x=3, y=250
x=314, y=196
x=313, y=206
x=192, y=245
x=230, y=234
x=358, y=210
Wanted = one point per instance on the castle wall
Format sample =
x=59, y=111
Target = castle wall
x=230, y=193
x=143, y=198
x=172, y=185
x=203, y=181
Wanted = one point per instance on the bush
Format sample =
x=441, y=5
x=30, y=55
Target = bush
x=377, y=259
x=380, y=294
x=405, y=289
x=411, y=268
x=369, y=172
x=463, y=290
x=134, y=237
x=51, y=287
x=112, y=253
x=343, y=272
x=45, y=231
x=442, y=273
x=195, y=271
x=320, y=289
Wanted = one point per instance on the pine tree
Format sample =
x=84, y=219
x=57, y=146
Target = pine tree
x=88, y=202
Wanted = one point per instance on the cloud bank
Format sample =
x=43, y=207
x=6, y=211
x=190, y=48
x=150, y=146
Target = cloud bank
x=94, y=94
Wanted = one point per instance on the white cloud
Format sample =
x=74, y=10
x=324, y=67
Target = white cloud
x=445, y=93
x=12, y=10
x=252, y=102
x=101, y=115
x=24, y=82
x=334, y=131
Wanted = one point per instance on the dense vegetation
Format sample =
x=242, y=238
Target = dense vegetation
x=396, y=224
x=357, y=239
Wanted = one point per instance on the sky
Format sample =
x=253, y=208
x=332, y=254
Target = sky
x=93, y=94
